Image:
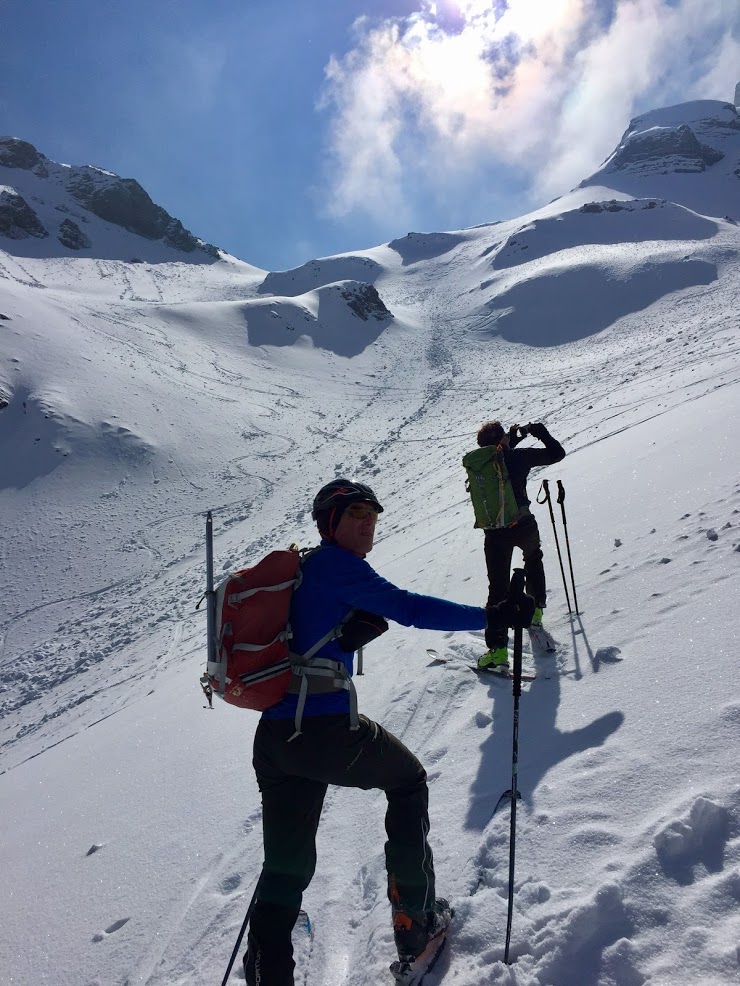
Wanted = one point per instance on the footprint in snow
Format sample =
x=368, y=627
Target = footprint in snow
x=607, y=655
x=116, y=926
x=230, y=883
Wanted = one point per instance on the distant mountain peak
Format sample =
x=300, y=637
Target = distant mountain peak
x=689, y=153
x=119, y=201
x=15, y=153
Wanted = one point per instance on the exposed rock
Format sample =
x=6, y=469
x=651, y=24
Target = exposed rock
x=71, y=236
x=614, y=206
x=611, y=206
x=675, y=149
x=16, y=153
x=4, y=400
x=4, y=318
x=365, y=302
x=124, y=202
x=18, y=221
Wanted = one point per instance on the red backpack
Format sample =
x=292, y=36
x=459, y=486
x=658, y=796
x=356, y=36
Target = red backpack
x=253, y=605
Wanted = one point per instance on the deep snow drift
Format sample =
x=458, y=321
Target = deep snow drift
x=137, y=396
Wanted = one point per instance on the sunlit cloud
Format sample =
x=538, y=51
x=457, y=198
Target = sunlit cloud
x=424, y=104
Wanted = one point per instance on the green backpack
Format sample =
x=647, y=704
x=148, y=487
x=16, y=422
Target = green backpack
x=490, y=488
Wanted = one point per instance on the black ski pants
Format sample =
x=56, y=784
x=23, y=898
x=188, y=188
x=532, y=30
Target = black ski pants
x=499, y=546
x=293, y=779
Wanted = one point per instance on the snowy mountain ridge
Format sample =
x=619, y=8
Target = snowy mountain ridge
x=79, y=194
x=138, y=395
x=665, y=151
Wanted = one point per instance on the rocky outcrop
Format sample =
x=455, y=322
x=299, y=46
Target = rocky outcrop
x=124, y=202
x=17, y=219
x=673, y=149
x=365, y=302
x=614, y=206
x=71, y=236
x=16, y=153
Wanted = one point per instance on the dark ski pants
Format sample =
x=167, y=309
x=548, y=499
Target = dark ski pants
x=293, y=779
x=499, y=546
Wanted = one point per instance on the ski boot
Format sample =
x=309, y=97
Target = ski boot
x=496, y=659
x=419, y=937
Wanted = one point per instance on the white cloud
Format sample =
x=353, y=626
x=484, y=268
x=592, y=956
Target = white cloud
x=546, y=87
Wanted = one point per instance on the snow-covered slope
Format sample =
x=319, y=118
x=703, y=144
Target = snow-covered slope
x=137, y=396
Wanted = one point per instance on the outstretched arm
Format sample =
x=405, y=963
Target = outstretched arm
x=551, y=453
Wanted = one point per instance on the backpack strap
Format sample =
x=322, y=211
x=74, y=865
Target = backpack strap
x=236, y=597
x=318, y=675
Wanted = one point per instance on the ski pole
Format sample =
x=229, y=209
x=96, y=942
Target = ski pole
x=546, y=487
x=517, y=589
x=241, y=935
x=561, y=501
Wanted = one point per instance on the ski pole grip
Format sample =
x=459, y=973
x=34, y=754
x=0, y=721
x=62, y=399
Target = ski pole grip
x=561, y=492
x=516, y=587
x=544, y=488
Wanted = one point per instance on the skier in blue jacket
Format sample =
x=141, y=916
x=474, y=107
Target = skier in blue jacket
x=297, y=755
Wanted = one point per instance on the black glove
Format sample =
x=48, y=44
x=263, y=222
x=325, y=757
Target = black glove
x=360, y=629
x=516, y=435
x=515, y=611
x=538, y=430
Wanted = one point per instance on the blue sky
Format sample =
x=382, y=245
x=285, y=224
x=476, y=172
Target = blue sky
x=283, y=131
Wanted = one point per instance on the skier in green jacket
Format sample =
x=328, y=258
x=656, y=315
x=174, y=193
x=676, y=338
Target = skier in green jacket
x=524, y=534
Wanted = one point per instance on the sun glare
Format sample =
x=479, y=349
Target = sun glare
x=529, y=19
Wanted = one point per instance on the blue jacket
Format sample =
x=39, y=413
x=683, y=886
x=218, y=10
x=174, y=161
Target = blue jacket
x=334, y=582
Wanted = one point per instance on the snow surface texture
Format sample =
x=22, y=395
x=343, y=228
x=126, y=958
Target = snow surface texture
x=134, y=397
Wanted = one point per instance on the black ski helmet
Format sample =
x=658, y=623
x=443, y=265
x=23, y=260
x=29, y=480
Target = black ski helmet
x=339, y=493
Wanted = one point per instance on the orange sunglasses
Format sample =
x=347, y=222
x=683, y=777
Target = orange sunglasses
x=361, y=511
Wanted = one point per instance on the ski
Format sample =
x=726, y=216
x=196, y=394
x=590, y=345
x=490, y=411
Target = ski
x=542, y=639
x=506, y=673
x=302, y=938
x=304, y=921
x=483, y=672
x=414, y=973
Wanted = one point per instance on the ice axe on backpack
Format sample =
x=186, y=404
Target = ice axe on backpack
x=210, y=596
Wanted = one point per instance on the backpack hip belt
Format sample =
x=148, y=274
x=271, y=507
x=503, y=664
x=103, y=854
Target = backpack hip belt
x=319, y=675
